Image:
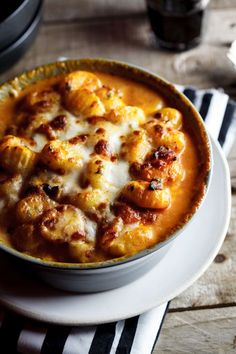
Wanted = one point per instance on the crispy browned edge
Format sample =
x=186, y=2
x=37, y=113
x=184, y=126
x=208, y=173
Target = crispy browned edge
x=173, y=96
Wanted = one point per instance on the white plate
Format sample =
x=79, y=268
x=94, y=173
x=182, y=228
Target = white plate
x=191, y=254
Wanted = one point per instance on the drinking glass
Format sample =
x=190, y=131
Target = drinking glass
x=177, y=24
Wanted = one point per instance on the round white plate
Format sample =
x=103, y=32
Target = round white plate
x=192, y=252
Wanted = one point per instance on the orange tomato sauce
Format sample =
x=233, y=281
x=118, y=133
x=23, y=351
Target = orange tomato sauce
x=134, y=94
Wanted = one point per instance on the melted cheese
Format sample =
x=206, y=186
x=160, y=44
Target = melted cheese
x=90, y=229
x=114, y=173
x=118, y=174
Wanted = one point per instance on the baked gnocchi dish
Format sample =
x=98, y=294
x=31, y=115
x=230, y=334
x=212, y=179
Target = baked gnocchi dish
x=93, y=167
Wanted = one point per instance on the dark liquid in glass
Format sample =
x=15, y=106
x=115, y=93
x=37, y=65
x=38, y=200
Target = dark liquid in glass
x=177, y=24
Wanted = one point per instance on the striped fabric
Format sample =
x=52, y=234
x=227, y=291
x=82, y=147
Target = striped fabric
x=136, y=335
x=218, y=112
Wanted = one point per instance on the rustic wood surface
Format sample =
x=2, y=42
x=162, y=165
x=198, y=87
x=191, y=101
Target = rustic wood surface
x=201, y=320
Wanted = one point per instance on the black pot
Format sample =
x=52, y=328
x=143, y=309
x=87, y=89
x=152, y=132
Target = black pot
x=14, y=52
x=15, y=19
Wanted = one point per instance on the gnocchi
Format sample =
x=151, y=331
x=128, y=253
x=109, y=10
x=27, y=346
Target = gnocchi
x=85, y=103
x=90, y=200
x=171, y=117
x=80, y=79
x=62, y=224
x=129, y=241
x=136, y=146
x=32, y=207
x=163, y=135
x=16, y=156
x=110, y=98
x=133, y=115
x=147, y=195
x=97, y=172
x=61, y=156
x=94, y=167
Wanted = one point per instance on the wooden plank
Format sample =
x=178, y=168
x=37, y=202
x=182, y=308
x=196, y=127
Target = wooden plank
x=222, y=4
x=199, y=332
x=217, y=285
x=56, y=10
x=131, y=40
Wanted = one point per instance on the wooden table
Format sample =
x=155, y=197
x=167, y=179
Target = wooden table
x=201, y=320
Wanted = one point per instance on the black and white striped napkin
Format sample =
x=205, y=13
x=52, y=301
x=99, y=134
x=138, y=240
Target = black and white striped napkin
x=218, y=112
x=136, y=335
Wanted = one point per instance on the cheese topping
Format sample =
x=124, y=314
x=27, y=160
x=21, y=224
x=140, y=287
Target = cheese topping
x=89, y=175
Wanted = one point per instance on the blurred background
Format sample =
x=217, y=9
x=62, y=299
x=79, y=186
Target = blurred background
x=121, y=30
x=204, y=315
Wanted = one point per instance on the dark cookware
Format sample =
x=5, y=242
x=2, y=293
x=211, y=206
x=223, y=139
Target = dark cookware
x=15, y=18
x=15, y=51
